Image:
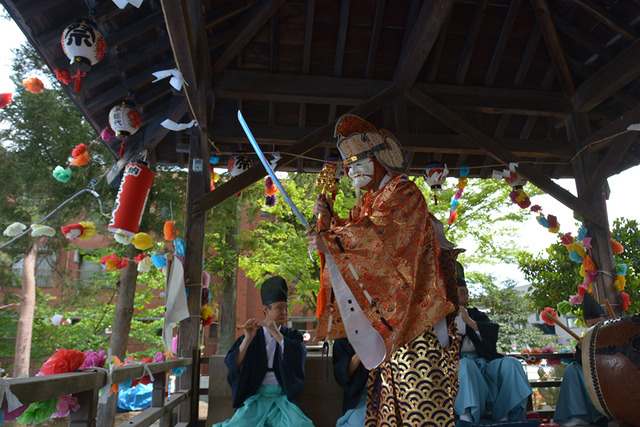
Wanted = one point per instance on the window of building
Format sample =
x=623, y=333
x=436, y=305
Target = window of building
x=87, y=270
x=44, y=268
x=213, y=330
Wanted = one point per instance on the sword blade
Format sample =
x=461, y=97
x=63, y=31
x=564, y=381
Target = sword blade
x=271, y=172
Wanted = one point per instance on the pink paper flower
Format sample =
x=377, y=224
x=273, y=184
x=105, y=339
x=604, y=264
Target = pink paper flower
x=94, y=359
x=66, y=404
x=576, y=299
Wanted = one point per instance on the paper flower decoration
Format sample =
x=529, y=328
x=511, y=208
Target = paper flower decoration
x=39, y=230
x=72, y=231
x=206, y=315
x=122, y=238
x=532, y=361
x=620, y=282
x=548, y=311
x=142, y=241
x=625, y=300
x=107, y=134
x=63, y=361
x=94, y=359
x=10, y=416
x=206, y=296
x=576, y=299
x=62, y=174
x=159, y=261
x=113, y=262
x=80, y=155
x=616, y=247
x=89, y=230
x=65, y=405
x=5, y=99
x=145, y=265
x=14, y=229
x=38, y=412
x=169, y=230
x=33, y=85
x=180, y=247
x=206, y=279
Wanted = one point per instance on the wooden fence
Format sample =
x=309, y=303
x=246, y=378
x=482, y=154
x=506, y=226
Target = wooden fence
x=86, y=385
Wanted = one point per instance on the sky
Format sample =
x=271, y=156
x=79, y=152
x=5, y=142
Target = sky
x=623, y=201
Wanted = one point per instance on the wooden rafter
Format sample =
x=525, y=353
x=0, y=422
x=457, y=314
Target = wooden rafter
x=470, y=44
x=498, y=152
x=418, y=46
x=505, y=33
x=605, y=82
x=375, y=37
x=247, y=28
x=607, y=18
x=553, y=45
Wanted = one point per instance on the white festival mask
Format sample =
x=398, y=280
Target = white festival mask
x=361, y=172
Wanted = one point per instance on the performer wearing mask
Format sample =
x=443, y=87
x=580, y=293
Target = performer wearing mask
x=384, y=287
x=266, y=366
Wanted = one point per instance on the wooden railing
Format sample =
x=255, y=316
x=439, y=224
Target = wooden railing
x=86, y=385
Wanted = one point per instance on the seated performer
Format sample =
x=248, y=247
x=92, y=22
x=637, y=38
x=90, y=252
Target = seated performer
x=383, y=285
x=574, y=405
x=488, y=381
x=266, y=366
x=352, y=377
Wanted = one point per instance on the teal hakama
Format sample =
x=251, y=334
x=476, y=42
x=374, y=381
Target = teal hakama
x=268, y=407
x=574, y=400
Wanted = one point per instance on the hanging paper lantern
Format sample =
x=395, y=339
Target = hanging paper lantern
x=84, y=45
x=58, y=320
x=435, y=175
x=238, y=164
x=124, y=120
x=131, y=199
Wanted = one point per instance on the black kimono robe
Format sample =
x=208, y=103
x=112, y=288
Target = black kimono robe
x=486, y=347
x=288, y=367
x=353, y=385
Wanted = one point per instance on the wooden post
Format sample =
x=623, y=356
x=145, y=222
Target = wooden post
x=157, y=397
x=86, y=415
x=584, y=165
x=189, y=331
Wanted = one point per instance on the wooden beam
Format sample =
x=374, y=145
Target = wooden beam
x=617, y=151
x=505, y=33
x=553, y=45
x=292, y=88
x=304, y=145
x=603, y=137
x=245, y=30
x=498, y=152
x=423, y=35
x=581, y=37
x=609, y=79
x=470, y=44
x=608, y=19
x=375, y=37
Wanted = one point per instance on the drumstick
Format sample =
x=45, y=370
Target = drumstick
x=562, y=325
x=609, y=309
x=257, y=325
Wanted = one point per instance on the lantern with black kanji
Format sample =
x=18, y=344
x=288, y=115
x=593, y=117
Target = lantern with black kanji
x=125, y=119
x=238, y=164
x=84, y=45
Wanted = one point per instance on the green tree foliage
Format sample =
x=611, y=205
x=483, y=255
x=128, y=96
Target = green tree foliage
x=554, y=277
x=509, y=308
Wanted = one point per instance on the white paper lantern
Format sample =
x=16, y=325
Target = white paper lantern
x=238, y=164
x=435, y=175
x=125, y=120
x=83, y=44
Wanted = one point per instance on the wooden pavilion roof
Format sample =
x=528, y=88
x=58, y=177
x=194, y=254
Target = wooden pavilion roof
x=464, y=82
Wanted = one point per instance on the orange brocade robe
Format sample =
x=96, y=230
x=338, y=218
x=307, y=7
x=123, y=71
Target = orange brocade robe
x=388, y=254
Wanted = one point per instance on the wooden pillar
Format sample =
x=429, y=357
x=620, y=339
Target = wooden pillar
x=189, y=332
x=86, y=415
x=584, y=166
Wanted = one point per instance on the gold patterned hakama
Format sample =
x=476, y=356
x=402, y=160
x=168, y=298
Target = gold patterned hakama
x=417, y=386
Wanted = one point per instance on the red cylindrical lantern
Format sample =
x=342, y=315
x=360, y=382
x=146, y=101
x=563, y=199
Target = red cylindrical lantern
x=131, y=199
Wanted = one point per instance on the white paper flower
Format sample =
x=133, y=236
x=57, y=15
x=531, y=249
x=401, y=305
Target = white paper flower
x=14, y=229
x=39, y=230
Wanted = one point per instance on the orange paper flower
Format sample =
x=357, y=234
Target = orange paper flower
x=170, y=232
x=548, y=311
x=616, y=247
x=33, y=85
x=81, y=159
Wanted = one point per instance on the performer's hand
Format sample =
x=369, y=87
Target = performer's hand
x=467, y=319
x=250, y=328
x=273, y=330
x=316, y=243
x=323, y=207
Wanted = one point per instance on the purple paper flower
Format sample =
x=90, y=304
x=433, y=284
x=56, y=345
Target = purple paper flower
x=94, y=360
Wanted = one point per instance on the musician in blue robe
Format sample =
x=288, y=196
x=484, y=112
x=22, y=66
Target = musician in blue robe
x=488, y=380
x=574, y=406
x=352, y=376
x=266, y=366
